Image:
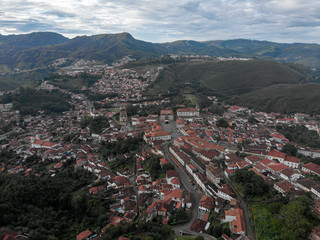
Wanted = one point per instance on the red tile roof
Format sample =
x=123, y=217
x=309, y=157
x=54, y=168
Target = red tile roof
x=83, y=235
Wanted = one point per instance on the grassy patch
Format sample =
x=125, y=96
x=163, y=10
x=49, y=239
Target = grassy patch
x=184, y=238
x=192, y=98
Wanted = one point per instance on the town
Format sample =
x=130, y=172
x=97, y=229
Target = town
x=201, y=171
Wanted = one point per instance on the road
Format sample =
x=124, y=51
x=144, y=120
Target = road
x=184, y=179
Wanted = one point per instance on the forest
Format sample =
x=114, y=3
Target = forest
x=54, y=208
x=31, y=101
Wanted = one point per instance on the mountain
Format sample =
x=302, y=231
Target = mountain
x=284, y=98
x=13, y=46
x=40, y=49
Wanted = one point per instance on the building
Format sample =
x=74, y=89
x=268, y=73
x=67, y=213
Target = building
x=166, y=115
x=188, y=112
x=276, y=155
x=159, y=135
x=283, y=187
x=292, y=162
x=236, y=221
x=311, y=168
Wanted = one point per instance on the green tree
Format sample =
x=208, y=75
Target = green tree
x=290, y=149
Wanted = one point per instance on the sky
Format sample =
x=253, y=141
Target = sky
x=167, y=20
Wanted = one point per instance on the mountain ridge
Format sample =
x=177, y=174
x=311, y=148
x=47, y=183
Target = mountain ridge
x=41, y=48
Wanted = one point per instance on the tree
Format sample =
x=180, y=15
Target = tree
x=222, y=123
x=199, y=238
x=290, y=149
x=295, y=220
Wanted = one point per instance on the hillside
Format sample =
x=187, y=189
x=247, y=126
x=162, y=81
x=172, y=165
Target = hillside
x=224, y=77
x=40, y=49
x=106, y=48
x=13, y=46
x=284, y=98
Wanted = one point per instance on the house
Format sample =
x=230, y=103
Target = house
x=242, y=164
x=171, y=174
x=237, y=109
x=276, y=155
x=213, y=175
x=95, y=190
x=316, y=191
x=305, y=184
x=290, y=175
x=225, y=192
x=283, y=187
x=292, y=162
x=311, y=168
x=236, y=220
x=84, y=235
x=253, y=159
x=278, y=137
x=199, y=225
x=206, y=204
x=276, y=168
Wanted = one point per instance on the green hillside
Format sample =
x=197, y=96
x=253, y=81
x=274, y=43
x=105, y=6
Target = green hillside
x=284, y=98
x=224, y=77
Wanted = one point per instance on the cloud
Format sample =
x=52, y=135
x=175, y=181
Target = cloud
x=167, y=20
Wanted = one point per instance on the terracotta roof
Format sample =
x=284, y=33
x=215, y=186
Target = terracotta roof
x=277, y=154
x=238, y=224
x=284, y=185
x=172, y=173
x=278, y=167
x=198, y=225
x=206, y=202
x=313, y=167
x=292, y=159
x=83, y=235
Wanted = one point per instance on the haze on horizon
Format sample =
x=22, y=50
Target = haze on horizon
x=167, y=20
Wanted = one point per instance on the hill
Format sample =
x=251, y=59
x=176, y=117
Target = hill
x=224, y=77
x=106, y=48
x=40, y=49
x=12, y=47
x=284, y=98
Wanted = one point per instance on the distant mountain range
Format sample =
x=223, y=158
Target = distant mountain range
x=42, y=48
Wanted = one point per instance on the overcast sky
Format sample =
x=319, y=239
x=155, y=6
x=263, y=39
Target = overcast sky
x=167, y=20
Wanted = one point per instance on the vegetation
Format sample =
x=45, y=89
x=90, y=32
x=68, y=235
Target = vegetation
x=224, y=77
x=179, y=216
x=284, y=98
x=73, y=83
x=95, y=124
x=300, y=135
x=290, y=149
x=130, y=145
x=253, y=185
x=222, y=123
x=152, y=165
x=30, y=101
x=51, y=208
x=287, y=221
x=26, y=79
x=139, y=231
